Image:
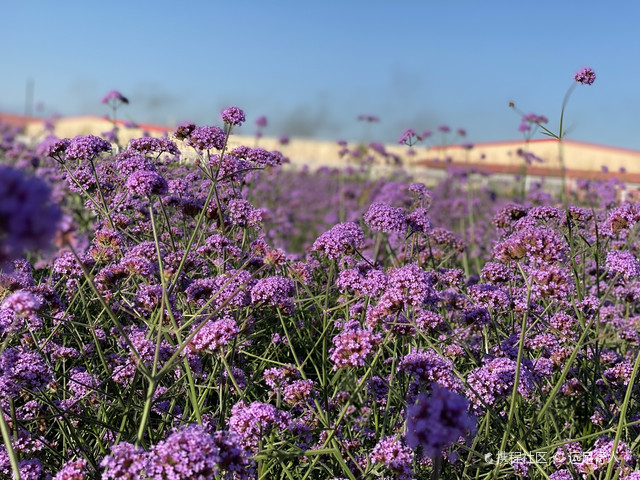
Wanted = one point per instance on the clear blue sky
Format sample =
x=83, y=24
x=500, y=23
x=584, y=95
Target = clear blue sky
x=313, y=67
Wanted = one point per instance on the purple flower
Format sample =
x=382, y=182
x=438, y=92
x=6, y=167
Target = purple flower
x=382, y=217
x=87, y=147
x=261, y=122
x=255, y=422
x=352, y=346
x=586, y=76
x=275, y=291
x=126, y=462
x=22, y=370
x=444, y=128
x=298, y=392
x=430, y=367
x=114, y=97
x=419, y=220
x=532, y=118
x=183, y=130
x=145, y=183
x=54, y=147
x=153, y=144
x=494, y=381
x=397, y=457
x=129, y=161
x=260, y=156
x=624, y=263
x=214, y=335
x=437, y=421
x=343, y=238
x=540, y=244
x=28, y=219
x=408, y=137
x=233, y=116
x=597, y=460
x=192, y=453
x=240, y=211
x=206, y=138
x=73, y=470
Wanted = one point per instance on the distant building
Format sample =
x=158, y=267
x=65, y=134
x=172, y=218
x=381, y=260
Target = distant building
x=539, y=158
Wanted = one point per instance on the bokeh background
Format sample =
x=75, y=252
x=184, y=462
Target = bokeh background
x=313, y=67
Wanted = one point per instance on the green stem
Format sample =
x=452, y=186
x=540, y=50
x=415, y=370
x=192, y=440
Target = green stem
x=623, y=414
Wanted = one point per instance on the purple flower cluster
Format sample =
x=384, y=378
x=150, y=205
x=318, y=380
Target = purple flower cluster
x=395, y=456
x=341, y=239
x=125, y=462
x=597, y=460
x=153, y=144
x=298, y=392
x=255, y=421
x=494, y=381
x=145, y=183
x=22, y=370
x=623, y=263
x=87, y=147
x=275, y=291
x=206, y=138
x=437, y=421
x=429, y=367
x=586, y=76
x=536, y=244
x=408, y=137
x=233, y=116
x=352, y=346
x=28, y=218
x=192, y=453
x=114, y=97
x=384, y=218
x=214, y=335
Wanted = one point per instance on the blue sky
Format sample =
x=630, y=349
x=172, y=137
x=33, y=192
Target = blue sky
x=313, y=67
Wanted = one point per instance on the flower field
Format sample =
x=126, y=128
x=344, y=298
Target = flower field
x=227, y=318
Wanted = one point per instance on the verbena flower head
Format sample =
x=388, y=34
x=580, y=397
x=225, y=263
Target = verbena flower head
x=341, y=239
x=183, y=130
x=206, y=138
x=54, y=147
x=437, y=421
x=28, y=218
x=493, y=382
x=233, y=116
x=353, y=346
x=261, y=122
x=125, y=462
x=86, y=147
x=256, y=421
x=409, y=137
x=114, y=97
x=146, y=182
x=22, y=369
x=275, y=291
x=73, y=470
x=192, y=453
x=624, y=263
x=397, y=457
x=382, y=217
x=586, y=76
x=153, y=144
x=214, y=335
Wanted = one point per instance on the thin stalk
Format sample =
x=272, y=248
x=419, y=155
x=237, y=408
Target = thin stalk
x=623, y=414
